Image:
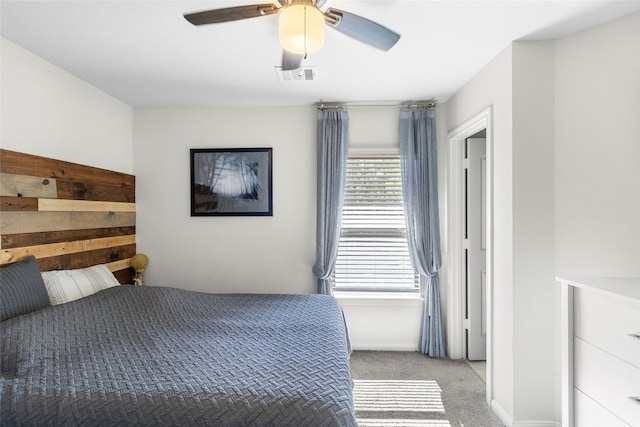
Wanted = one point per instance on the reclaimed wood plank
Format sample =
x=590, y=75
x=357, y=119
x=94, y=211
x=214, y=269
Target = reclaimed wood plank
x=58, y=205
x=33, y=222
x=125, y=277
x=46, y=237
x=28, y=164
x=8, y=256
x=122, y=264
x=30, y=222
x=95, y=191
x=91, y=222
x=27, y=186
x=102, y=219
x=122, y=271
x=86, y=259
x=18, y=203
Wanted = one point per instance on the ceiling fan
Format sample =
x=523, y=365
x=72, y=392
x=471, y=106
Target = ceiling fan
x=301, y=26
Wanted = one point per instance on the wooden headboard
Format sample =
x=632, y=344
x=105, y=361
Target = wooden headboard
x=65, y=214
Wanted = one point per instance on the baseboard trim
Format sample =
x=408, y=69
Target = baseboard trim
x=501, y=413
x=509, y=422
x=380, y=346
x=536, y=424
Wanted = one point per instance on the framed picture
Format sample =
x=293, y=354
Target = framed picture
x=231, y=182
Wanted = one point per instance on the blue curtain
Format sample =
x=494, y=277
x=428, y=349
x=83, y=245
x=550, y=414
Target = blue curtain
x=418, y=159
x=333, y=147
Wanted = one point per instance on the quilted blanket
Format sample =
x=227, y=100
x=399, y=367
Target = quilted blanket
x=168, y=357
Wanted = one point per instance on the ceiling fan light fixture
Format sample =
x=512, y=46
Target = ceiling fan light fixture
x=301, y=28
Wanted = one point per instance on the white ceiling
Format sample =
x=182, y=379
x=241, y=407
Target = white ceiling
x=145, y=54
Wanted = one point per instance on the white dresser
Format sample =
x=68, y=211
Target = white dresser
x=601, y=352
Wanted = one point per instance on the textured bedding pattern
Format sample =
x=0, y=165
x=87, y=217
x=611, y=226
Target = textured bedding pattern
x=161, y=356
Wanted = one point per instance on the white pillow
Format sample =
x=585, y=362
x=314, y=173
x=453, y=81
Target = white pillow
x=69, y=285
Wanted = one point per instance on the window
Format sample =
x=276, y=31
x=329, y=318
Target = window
x=372, y=253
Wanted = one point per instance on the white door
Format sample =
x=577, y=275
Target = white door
x=476, y=239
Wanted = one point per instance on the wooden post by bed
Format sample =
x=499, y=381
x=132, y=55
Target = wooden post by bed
x=65, y=214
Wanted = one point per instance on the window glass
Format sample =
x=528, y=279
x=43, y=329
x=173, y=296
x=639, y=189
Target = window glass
x=372, y=253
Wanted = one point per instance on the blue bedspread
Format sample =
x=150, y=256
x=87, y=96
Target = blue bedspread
x=169, y=357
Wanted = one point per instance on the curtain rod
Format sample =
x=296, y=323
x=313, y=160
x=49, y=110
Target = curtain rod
x=409, y=105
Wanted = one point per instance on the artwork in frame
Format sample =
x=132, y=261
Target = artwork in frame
x=231, y=182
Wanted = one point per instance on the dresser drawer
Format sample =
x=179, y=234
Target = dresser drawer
x=589, y=413
x=607, y=380
x=606, y=321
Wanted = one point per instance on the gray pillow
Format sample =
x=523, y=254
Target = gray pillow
x=22, y=289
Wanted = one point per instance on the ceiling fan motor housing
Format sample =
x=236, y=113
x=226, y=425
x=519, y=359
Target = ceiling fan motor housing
x=301, y=27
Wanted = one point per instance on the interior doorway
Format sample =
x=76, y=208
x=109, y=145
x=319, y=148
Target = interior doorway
x=458, y=323
x=475, y=246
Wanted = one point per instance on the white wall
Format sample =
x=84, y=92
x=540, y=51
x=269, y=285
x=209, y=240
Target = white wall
x=534, y=287
x=598, y=151
x=48, y=112
x=226, y=254
x=492, y=87
x=566, y=193
x=374, y=127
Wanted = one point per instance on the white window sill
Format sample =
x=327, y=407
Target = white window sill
x=378, y=298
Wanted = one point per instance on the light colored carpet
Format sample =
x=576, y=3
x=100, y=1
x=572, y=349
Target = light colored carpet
x=409, y=389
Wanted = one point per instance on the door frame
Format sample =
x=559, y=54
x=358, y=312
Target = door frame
x=455, y=240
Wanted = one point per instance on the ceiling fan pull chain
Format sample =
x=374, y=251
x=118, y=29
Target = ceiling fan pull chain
x=305, y=32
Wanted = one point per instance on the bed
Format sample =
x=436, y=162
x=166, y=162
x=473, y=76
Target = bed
x=138, y=355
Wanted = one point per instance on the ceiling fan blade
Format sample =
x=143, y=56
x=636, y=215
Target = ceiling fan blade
x=291, y=61
x=216, y=16
x=362, y=29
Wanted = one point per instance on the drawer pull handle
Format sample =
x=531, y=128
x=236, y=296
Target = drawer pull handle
x=636, y=335
x=636, y=398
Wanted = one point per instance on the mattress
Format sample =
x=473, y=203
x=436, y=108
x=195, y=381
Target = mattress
x=159, y=356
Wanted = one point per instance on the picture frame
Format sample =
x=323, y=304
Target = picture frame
x=231, y=181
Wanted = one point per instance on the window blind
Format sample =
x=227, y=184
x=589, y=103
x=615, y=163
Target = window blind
x=372, y=252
